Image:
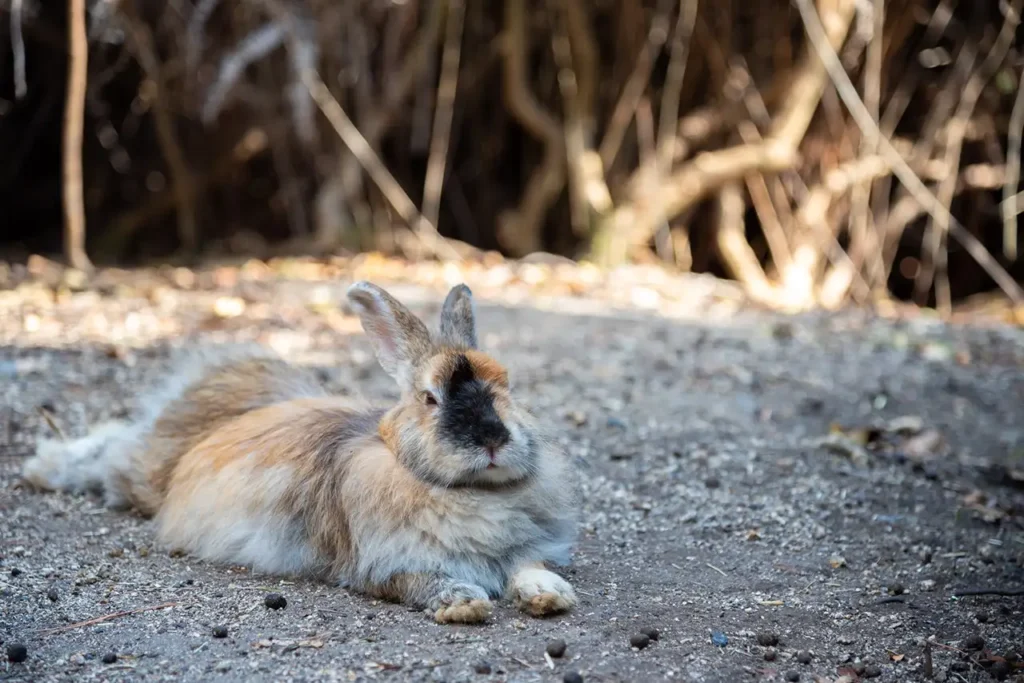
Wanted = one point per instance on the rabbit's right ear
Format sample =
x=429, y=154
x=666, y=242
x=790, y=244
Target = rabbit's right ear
x=399, y=338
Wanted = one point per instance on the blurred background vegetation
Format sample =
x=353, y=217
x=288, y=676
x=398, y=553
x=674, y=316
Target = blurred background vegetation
x=820, y=152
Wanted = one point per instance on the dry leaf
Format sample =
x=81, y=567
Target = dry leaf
x=837, y=561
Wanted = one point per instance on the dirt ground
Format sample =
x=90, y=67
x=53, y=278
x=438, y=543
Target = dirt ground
x=714, y=512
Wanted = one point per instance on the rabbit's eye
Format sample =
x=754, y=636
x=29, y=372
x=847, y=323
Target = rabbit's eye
x=429, y=398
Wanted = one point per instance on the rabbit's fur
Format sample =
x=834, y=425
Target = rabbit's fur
x=446, y=500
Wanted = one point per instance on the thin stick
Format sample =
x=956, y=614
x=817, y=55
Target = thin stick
x=18, y=48
x=901, y=169
x=716, y=569
x=74, y=123
x=52, y=423
x=668, y=117
x=987, y=591
x=1011, y=201
x=106, y=617
x=374, y=167
x=626, y=105
x=433, y=183
x=957, y=131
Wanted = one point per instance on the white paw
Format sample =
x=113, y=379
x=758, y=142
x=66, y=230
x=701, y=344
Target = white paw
x=45, y=469
x=540, y=592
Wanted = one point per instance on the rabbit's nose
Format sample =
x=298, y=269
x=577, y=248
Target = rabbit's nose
x=493, y=435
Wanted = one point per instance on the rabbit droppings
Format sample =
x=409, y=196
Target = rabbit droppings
x=445, y=501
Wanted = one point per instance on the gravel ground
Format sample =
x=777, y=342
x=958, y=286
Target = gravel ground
x=714, y=511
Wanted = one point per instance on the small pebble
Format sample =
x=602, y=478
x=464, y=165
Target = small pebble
x=1000, y=671
x=719, y=639
x=556, y=648
x=109, y=658
x=767, y=639
x=982, y=617
x=651, y=633
x=769, y=655
x=872, y=671
x=275, y=601
x=792, y=676
x=712, y=483
x=897, y=589
x=974, y=642
x=223, y=666
x=15, y=572
x=220, y=631
x=639, y=641
x=16, y=653
x=482, y=667
x=52, y=595
x=572, y=677
x=804, y=657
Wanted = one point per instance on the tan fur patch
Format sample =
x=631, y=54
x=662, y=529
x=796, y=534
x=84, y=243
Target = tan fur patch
x=487, y=369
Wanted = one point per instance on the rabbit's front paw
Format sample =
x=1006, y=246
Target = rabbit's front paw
x=540, y=592
x=462, y=604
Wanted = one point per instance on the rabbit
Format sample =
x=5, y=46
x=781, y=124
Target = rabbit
x=446, y=501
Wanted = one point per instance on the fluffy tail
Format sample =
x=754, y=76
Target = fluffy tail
x=130, y=463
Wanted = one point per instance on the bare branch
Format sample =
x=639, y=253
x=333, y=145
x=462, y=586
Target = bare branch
x=668, y=117
x=444, y=110
x=902, y=170
x=375, y=168
x=18, y=48
x=1011, y=202
x=167, y=137
x=519, y=230
x=256, y=46
x=74, y=122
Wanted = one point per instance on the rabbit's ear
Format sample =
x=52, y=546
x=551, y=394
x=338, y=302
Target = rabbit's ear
x=458, y=321
x=399, y=338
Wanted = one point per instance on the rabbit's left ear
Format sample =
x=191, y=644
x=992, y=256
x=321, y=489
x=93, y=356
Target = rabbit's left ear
x=458, y=321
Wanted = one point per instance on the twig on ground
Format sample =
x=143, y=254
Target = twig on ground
x=711, y=566
x=973, y=592
x=52, y=423
x=106, y=617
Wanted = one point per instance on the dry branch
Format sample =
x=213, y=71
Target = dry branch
x=337, y=190
x=519, y=230
x=651, y=200
x=906, y=175
x=163, y=119
x=74, y=121
x=375, y=168
x=446, y=90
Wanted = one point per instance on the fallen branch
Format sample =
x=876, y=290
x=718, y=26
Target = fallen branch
x=973, y=592
x=106, y=617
